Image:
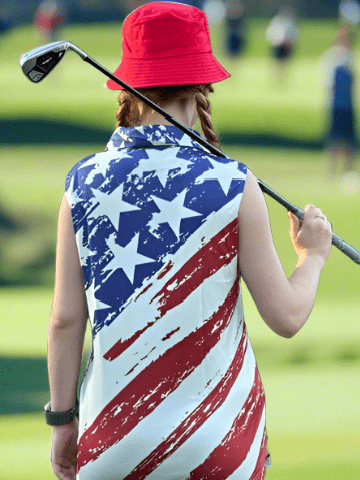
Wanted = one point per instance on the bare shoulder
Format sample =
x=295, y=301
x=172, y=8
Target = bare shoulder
x=253, y=203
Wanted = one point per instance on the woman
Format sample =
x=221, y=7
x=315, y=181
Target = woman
x=164, y=231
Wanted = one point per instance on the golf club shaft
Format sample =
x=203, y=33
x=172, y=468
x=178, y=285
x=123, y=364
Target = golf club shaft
x=338, y=242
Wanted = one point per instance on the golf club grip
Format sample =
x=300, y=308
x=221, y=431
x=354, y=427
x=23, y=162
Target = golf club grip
x=346, y=248
x=338, y=242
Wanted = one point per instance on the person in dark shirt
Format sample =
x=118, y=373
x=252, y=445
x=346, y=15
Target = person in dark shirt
x=341, y=137
x=5, y=24
x=235, y=32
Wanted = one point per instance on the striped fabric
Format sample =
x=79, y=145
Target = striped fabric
x=172, y=390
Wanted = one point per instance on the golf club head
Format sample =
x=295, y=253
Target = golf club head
x=39, y=62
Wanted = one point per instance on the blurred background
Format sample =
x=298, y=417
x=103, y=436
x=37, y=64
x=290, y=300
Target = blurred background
x=290, y=111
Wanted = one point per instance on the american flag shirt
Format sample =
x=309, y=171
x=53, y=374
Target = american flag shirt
x=172, y=390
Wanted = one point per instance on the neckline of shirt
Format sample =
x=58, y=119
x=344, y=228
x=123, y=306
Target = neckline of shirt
x=151, y=136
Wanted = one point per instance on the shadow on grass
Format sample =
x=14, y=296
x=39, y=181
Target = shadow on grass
x=26, y=254
x=24, y=385
x=34, y=131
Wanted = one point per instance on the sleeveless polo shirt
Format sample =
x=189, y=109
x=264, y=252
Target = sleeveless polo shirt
x=172, y=390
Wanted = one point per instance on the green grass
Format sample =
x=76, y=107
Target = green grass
x=32, y=184
x=27, y=309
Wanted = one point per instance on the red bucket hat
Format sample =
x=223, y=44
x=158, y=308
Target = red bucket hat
x=167, y=44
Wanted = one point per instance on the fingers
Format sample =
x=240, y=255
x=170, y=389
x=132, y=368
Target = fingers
x=295, y=224
x=63, y=454
x=310, y=212
x=64, y=472
x=314, y=213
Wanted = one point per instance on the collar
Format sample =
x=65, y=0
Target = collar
x=151, y=136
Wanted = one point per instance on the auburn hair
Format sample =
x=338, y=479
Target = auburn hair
x=131, y=110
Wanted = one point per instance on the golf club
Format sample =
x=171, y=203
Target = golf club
x=39, y=62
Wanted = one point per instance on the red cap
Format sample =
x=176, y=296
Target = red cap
x=167, y=44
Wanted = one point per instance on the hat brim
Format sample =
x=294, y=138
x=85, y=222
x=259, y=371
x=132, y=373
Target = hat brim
x=196, y=69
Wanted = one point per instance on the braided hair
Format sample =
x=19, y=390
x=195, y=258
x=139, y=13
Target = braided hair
x=131, y=110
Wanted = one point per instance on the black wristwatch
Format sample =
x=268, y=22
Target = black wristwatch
x=61, y=418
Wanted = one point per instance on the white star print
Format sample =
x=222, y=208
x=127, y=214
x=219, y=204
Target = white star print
x=101, y=165
x=126, y=257
x=183, y=165
x=110, y=145
x=124, y=136
x=162, y=171
x=223, y=173
x=92, y=302
x=79, y=235
x=187, y=141
x=160, y=139
x=111, y=205
x=74, y=198
x=126, y=139
x=79, y=240
x=171, y=212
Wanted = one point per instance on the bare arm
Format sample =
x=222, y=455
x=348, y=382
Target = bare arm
x=68, y=317
x=284, y=304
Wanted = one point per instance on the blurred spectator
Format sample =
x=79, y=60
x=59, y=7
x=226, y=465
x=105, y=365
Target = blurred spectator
x=235, y=34
x=339, y=73
x=133, y=4
x=349, y=12
x=215, y=11
x=48, y=20
x=282, y=34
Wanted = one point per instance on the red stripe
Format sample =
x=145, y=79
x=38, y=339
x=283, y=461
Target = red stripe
x=165, y=270
x=220, y=250
x=120, y=346
x=153, y=384
x=170, y=334
x=260, y=469
x=234, y=448
x=194, y=421
x=143, y=291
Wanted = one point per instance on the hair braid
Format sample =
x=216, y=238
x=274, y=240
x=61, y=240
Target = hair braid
x=123, y=110
x=203, y=107
x=129, y=111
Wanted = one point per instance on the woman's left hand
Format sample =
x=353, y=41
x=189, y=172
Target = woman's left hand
x=63, y=454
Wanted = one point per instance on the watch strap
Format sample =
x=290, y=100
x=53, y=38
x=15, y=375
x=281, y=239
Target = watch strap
x=60, y=418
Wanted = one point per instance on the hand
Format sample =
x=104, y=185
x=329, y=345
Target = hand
x=311, y=236
x=63, y=454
